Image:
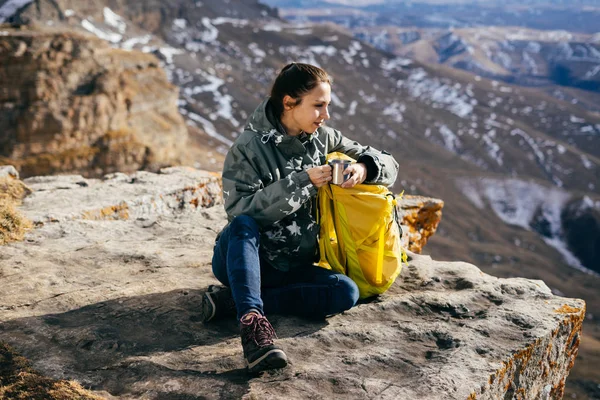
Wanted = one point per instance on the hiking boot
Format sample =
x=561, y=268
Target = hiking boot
x=217, y=303
x=257, y=341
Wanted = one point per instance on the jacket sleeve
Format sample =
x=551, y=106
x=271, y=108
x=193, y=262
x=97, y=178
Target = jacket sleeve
x=382, y=168
x=245, y=192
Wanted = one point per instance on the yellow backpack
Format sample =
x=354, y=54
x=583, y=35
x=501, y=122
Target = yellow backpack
x=360, y=234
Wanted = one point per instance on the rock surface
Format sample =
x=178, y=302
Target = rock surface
x=421, y=217
x=109, y=296
x=71, y=103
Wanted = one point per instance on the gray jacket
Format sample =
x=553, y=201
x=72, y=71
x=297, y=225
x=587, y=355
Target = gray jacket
x=264, y=177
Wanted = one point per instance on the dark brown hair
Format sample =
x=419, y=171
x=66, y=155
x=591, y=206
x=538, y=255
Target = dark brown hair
x=295, y=80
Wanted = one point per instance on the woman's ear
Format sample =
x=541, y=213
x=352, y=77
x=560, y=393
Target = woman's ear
x=288, y=102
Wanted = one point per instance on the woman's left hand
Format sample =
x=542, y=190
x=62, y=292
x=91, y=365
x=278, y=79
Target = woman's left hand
x=358, y=174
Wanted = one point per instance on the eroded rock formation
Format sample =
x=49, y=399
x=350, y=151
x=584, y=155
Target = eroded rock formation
x=71, y=103
x=106, y=291
x=420, y=218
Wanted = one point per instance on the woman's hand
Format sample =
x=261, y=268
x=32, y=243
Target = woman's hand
x=321, y=175
x=358, y=174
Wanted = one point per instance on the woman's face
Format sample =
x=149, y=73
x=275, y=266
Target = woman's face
x=310, y=114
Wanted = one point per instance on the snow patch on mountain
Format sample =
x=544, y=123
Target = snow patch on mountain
x=592, y=72
x=223, y=102
x=352, y=51
x=326, y=50
x=211, y=33
x=272, y=27
x=168, y=53
x=210, y=129
x=236, y=22
x=451, y=141
x=524, y=204
x=394, y=64
x=586, y=162
x=538, y=154
x=493, y=149
x=131, y=43
x=435, y=91
x=101, y=33
x=352, y=108
x=114, y=20
x=395, y=111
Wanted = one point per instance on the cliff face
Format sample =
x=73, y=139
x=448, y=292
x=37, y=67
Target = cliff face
x=106, y=291
x=70, y=103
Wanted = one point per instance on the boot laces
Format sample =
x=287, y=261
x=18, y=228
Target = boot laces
x=260, y=330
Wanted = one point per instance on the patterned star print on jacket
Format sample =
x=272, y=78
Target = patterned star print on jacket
x=264, y=177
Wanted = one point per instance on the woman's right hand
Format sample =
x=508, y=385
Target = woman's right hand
x=320, y=176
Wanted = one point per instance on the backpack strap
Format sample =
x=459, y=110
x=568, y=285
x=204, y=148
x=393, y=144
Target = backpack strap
x=396, y=216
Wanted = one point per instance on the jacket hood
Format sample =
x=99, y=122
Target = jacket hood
x=264, y=123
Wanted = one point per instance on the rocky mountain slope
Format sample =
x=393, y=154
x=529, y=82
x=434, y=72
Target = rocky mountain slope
x=106, y=291
x=499, y=41
x=565, y=65
x=572, y=16
x=508, y=161
x=71, y=102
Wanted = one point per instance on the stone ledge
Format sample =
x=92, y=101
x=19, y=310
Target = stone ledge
x=111, y=299
x=145, y=195
x=141, y=195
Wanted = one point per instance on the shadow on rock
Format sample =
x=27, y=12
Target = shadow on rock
x=149, y=345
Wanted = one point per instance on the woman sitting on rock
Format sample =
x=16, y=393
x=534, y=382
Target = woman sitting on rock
x=265, y=256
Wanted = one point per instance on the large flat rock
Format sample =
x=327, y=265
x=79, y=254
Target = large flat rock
x=111, y=299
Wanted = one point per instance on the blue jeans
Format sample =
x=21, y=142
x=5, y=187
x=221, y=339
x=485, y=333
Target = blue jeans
x=310, y=292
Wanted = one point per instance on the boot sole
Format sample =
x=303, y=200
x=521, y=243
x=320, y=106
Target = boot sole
x=273, y=359
x=208, y=307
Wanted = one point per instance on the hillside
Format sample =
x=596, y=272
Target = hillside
x=562, y=64
x=554, y=47
x=507, y=160
x=572, y=16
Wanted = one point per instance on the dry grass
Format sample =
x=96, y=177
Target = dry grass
x=20, y=382
x=13, y=189
x=13, y=225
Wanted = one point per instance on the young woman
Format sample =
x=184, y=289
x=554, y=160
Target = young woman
x=265, y=255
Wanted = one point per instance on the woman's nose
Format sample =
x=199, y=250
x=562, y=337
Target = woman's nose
x=326, y=113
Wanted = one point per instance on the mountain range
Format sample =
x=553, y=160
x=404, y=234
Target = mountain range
x=515, y=162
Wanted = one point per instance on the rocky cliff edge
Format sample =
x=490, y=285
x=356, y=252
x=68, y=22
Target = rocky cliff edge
x=105, y=291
